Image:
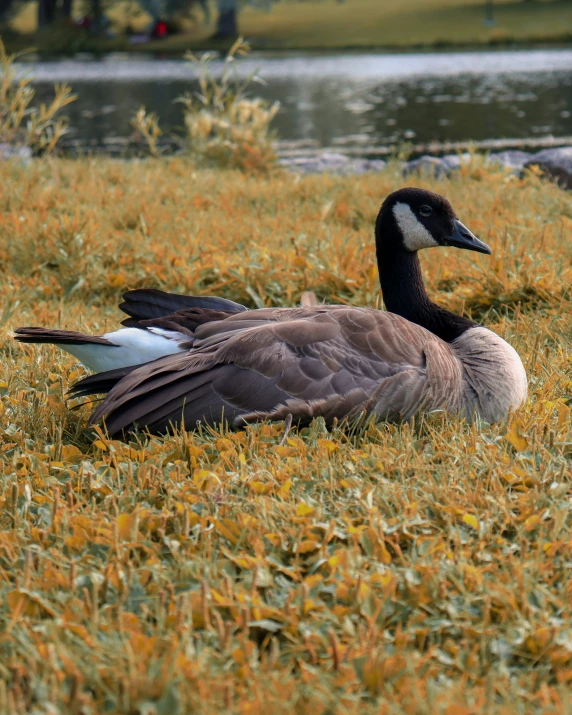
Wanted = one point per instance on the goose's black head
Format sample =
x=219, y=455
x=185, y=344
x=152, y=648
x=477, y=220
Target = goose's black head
x=411, y=219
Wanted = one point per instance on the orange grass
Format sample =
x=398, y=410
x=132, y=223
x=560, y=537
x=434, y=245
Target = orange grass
x=406, y=569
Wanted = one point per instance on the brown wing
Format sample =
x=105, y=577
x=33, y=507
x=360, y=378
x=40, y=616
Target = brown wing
x=330, y=360
x=184, y=320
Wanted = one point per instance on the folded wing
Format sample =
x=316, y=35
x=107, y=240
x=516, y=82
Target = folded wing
x=332, y=361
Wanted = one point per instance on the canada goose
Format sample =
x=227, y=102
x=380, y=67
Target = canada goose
x=159, y=324
x=332, y=360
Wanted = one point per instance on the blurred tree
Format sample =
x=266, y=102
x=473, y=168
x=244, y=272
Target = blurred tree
x=49, y=10
x=227, y=21
x=96, y=15
x=46, y=12
x=153, y=8
x=6, y=7
x=227, y=17
x=166, y=9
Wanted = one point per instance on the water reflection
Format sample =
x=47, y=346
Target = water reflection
x=337, y=101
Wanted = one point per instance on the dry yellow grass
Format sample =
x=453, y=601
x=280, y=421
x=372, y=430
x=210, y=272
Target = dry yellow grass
x=404, y=570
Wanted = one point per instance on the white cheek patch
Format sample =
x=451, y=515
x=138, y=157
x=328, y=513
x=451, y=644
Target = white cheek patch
x=415, y=235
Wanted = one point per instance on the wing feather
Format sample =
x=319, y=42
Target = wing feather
x=147, y=303
x=183, y=321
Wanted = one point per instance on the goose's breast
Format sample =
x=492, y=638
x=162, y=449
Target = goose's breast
x=494, y=377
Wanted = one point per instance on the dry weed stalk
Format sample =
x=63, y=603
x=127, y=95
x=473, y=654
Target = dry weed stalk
x=224, y=127
x=22, y=124
x=147, y=124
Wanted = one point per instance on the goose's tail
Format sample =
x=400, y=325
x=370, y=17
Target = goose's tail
x=122, y=348
x=58, y=337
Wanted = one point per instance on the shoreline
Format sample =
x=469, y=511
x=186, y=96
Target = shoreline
x=554, y=162
x=35, y=46
x=307, y=149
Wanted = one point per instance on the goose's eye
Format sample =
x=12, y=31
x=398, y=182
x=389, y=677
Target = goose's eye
x=425, y=210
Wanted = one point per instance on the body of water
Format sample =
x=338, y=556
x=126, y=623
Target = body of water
x=351, y=101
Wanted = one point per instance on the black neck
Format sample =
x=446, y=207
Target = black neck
x=404, y=292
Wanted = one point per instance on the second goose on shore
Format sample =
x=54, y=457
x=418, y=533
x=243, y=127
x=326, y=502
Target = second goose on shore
x=332, y=360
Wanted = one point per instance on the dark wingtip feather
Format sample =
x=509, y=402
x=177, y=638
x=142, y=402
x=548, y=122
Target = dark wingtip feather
x=100, y=383
x=148, y=303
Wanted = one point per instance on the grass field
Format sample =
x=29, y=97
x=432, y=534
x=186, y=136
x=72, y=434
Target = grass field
x=403, y=570
x=324, y=24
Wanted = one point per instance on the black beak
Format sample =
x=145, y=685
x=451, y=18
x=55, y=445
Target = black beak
x=463, y=238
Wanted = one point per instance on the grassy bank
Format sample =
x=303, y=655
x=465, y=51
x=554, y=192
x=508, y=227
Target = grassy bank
x=403, y=571
x=329, y=24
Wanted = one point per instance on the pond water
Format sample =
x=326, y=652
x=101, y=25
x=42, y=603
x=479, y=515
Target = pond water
x=356, y=101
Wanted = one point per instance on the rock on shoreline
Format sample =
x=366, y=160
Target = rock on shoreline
x=11, y=151
x=554, y=163
x=332, y=163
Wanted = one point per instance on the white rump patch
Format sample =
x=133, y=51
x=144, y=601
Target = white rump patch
x=169, y=334
x=415, y=235
x=131, y=346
